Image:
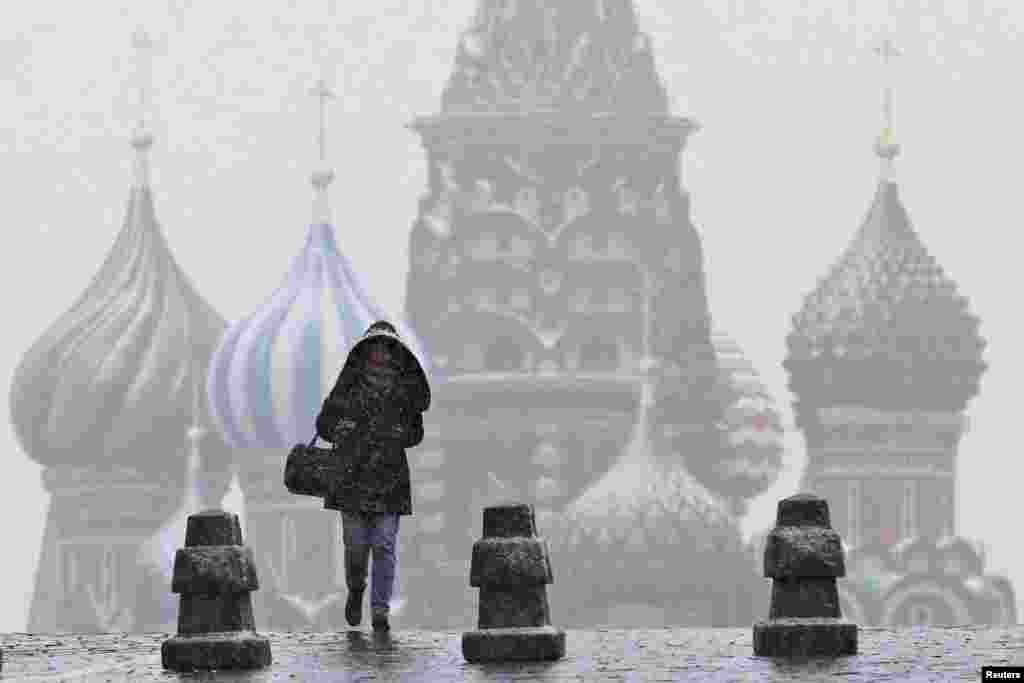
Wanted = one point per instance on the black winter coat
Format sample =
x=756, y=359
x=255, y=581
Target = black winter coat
x=371, y=434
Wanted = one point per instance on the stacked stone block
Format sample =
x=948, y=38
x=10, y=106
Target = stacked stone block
x=511, y=567
x=803, y=557
x=215, y=574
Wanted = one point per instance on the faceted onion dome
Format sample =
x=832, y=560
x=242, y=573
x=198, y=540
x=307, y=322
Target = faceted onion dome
x=272, y=371
x=553, y=55
x=886, y=327
x=113, y=377
x=751, y=459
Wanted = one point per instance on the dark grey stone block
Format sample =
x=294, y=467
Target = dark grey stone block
x=806, y=637
x=510, y=561
x=520, y=606
x=213, y=527
x=813, y=597
x=503, y=521
x=235, y=650
x=803, y=509
x=214, y=569
x=542, y=643
x=803, y=551
x=214, y=613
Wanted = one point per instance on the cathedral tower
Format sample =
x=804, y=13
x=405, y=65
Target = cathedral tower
x=883, y=358
x=105, y=400
x=558, y=283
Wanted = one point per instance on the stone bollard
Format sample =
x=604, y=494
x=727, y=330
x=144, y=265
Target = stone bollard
x=511, y=567
x=215, y=573
x=803, y=557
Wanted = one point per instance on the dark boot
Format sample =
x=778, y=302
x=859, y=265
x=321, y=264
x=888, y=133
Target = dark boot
x=380, y=623
x=356, y=560
x=354, y=607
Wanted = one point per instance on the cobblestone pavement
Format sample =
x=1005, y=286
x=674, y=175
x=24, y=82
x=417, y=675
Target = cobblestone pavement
x=592, y=655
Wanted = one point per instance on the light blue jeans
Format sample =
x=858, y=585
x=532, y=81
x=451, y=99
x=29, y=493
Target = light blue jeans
x=361, y=535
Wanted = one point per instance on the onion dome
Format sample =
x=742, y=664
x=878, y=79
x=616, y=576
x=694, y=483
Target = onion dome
x=751, y=456
x=529, y=56
x=649, y=508
x=111, y=381
x=270, y=374
x=887, y=304
x=886, y=327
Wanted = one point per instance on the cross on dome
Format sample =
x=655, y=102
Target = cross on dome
x=886, y=146
x=323, y=176
x=142, y=139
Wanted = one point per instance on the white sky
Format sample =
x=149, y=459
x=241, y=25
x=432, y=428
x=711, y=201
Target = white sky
x=781, y=173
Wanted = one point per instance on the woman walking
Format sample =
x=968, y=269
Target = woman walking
x=374, y=413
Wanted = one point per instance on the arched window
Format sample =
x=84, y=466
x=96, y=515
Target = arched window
x=504, y=355
x=599, y=355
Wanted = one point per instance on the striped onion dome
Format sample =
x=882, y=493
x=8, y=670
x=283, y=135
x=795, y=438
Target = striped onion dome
x=752, y=457
x=273, y=369
x=112, y=379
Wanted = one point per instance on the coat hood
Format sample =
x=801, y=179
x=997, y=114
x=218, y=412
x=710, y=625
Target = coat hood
x=412, y=372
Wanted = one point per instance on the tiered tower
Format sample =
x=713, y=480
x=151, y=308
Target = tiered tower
x=105, y=400
x=267, y=381
x=883, y=359
x=558, y=282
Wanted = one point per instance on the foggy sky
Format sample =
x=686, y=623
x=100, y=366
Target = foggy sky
x=781, y=174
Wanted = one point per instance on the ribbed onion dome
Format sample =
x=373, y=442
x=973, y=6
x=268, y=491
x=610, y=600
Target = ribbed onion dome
x=551, y=55
x=751, y=458
x=111, y=381
x=886, y=327
x=273, y=369
x=627, y=530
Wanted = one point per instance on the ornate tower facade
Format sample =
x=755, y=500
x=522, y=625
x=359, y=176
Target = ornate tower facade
x=105, y=401
x=557, y=281
x=883, y=359
x=268, y=378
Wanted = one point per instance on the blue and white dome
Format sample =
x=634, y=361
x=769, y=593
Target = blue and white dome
x=271, y=372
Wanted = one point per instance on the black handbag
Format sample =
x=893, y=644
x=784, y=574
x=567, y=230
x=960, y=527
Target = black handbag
x=310, y=470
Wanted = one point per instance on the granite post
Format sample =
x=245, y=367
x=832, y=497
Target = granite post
x=512, y=568
x=803, y=557
x=215, y=574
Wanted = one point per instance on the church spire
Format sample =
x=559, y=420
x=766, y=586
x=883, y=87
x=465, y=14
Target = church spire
x=142, y=138
x=324, y=174
x=886, y=146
